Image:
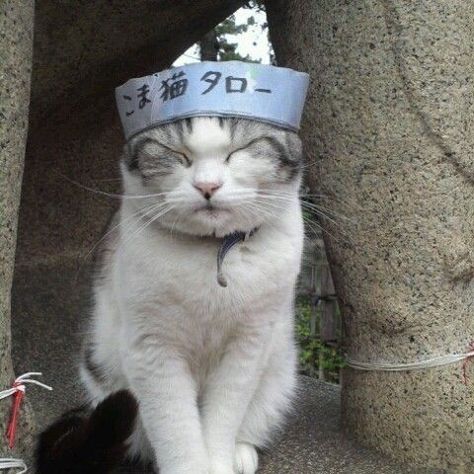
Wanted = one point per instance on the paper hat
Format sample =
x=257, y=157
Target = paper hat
x=264, y=93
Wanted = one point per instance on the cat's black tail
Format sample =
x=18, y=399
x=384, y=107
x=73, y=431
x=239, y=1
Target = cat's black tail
x=94, y=444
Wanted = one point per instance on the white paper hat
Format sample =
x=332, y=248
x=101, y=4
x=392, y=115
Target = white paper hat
x=269, y=94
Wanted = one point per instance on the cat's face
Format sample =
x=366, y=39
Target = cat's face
x=211, y=176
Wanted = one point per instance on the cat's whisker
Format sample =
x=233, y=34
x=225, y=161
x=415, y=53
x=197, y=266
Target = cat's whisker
x=325, y=222
x=318, y=209
x=309, y=224
x=255, y=210
x=126, y=219
x=270, y=214
x=275, y=208
x=323, y=215
x=105, y=180
x=177, y=201
x=144, y=226
x=175, y=222
x=270, y=203
x=324, y=230
x=350, y=206
x=113, y=195
x=144, y=217
x=313, y=227
x=134, y=216
x=254, y=213
x=318, y=203
x=281, y=199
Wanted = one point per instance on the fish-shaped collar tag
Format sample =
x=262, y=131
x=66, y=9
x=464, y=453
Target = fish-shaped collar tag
x=230, y=241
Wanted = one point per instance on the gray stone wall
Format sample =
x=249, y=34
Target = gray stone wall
x=82, y=51
x=16, y=40
x=389, y=131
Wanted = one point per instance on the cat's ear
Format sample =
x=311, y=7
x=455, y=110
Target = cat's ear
x=295, y=146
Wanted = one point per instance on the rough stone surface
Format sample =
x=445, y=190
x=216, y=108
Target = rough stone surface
x=82, y=51
x=389, y=131
x=16, y=30
x=89, y=48
x=48, y=330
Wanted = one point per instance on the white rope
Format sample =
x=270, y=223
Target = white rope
x=11, y=463
x=19, y=386
x=439, y=361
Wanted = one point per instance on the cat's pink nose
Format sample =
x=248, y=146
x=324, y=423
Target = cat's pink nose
x=207, y=189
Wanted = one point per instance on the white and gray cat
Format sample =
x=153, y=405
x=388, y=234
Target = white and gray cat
x=213, y=368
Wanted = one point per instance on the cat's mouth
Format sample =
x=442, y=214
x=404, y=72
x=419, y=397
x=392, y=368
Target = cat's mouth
x=211, y=210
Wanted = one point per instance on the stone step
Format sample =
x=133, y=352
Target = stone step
x=50, y=305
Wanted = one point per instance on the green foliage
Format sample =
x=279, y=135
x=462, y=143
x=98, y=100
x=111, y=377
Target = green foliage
x=258, y=5
x=219, y=44
x=228, y=50
x=315, y=355
x=230, y=27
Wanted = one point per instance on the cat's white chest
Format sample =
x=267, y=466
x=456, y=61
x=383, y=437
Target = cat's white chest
x=181, y=275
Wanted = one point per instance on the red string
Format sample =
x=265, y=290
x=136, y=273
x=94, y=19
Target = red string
x=465, y=378
x=12, y=424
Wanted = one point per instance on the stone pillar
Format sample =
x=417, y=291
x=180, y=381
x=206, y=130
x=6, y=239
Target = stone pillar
x=16, y=40
x=390, y=134
x=82, y=51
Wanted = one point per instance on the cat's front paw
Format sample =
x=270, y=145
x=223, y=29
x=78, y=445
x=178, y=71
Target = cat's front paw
x=246, y=459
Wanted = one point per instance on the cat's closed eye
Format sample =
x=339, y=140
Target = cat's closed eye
x=152, y=157
x=259, y=143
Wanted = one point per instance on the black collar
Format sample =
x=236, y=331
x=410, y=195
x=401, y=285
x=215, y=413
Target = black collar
x=229, y=241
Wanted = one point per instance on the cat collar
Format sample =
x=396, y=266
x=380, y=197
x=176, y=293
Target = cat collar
x=230, y=241
x=270, y=94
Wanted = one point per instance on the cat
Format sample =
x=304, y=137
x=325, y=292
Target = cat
x=94, y=444
x=212, y=366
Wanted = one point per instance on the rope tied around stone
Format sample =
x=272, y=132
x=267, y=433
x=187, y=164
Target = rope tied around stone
x=433, y=362
x=12, y=463
x=17, y=391
x=468, y=359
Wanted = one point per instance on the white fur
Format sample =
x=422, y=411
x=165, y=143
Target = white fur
x=213, y=368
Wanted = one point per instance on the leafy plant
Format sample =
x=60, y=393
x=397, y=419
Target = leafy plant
x=221, y=43
x=314, y=355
